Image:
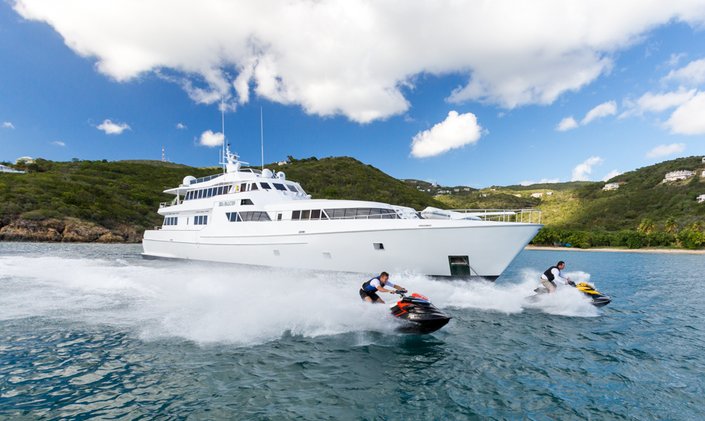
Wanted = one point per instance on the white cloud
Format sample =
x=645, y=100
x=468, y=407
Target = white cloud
x=603, y=110
x=456, y=131
x=58, y=143
x=566, y=124
x=181, y=126
x=612, y=174
x=689, y=117
x=110, y=127
x=541, y=181
x=663, y=101
x=675, y=59
x=693, y=74
x=211, y=139
x=356, y=58
x=582, y=171
x=7, y=125
x=665, y=150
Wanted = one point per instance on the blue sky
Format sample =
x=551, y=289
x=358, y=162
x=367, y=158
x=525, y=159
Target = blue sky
x=649, y=80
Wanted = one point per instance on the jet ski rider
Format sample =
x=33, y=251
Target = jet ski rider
x=369, y=289
x=553, y=274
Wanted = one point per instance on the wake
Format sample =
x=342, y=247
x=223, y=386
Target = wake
x=210, y=303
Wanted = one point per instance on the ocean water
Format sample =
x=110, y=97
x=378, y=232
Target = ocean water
x=95, y=331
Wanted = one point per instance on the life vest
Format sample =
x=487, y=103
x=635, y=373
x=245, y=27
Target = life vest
x=368, y=287
x=549, y=275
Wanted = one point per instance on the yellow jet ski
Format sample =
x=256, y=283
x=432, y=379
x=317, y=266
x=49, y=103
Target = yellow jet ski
x=598, y=299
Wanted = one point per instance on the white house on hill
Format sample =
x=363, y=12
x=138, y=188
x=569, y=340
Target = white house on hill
x=610, y=186
x=701, y=198
x=678, y=175
x=6, y=169
x=537, y=195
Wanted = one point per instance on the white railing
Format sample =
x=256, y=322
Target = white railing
x=530, y=216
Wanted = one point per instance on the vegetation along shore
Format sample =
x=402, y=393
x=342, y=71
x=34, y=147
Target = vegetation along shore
x=102, y=201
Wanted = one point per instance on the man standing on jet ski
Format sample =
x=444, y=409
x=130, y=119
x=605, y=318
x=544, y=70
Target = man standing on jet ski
x=553, y=274
x=369, y=289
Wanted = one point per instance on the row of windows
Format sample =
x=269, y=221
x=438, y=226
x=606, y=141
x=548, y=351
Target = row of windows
x=171, y=220
x=217, y=191
x=200, y=220
x=362, y=213
x=345, y=213
x=247, y=216
x=203, y=193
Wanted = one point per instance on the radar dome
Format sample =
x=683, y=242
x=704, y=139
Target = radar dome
x=281, y=175
x=267, y=173
x=188, y=180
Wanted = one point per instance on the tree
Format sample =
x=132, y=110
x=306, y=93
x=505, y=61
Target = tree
x=646, y=226
x=671, y=225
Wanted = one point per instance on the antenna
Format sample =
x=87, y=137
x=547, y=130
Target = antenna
x=222, y=130
x=261, y=135
x=163, y=154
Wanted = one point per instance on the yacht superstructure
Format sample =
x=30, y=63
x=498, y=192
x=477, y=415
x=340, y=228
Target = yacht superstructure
x=253, y=217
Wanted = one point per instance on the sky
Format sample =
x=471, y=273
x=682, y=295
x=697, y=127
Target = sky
x=472, y=93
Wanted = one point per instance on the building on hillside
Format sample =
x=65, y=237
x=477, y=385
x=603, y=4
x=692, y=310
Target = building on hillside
x=466, y=188
x=282, y=163
x=610, y=186
x=24, y=160
x=703, y=174
x=677, y=175
x=6, y=169
x=701, y=198
x=703, y=160
x=537, y=195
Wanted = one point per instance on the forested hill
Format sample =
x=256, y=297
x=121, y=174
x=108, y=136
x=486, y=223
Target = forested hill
x=117, y=201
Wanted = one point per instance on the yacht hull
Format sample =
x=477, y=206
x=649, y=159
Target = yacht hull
x=425, y=247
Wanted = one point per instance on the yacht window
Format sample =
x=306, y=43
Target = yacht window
x=171, y=220
x=266, y=186
x=200, y=220
x=335, y=213
x=246, y=202
x=279, y=217
x=253, y=186
x=305, y=215
x=291, y=188
x=233, y=216
x=219, y=190
x=323, y=215
x=211, y=191
x=243, y=187
x=316, y=214
x=200, y=194
x=254, y=216
x=295, y=215
x=279, y=186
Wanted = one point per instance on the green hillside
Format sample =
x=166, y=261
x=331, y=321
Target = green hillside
x=644, y=211
x=116, y=201
x=125, y=195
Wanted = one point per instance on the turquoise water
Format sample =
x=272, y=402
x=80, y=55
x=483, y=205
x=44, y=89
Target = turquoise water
x=95, y=331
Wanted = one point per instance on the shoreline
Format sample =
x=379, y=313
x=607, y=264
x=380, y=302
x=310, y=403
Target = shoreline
x=617, y=250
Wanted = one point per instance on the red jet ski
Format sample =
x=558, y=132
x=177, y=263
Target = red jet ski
x=417, y=314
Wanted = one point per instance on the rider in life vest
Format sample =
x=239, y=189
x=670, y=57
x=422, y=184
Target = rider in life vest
x=553, y=274
x=369, y=289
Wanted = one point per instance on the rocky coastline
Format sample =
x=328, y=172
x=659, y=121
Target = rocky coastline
x=72, y=230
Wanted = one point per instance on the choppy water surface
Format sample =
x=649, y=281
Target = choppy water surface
x=94, y=330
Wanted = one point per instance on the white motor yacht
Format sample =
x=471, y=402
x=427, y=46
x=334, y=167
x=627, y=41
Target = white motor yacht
x=252, y=217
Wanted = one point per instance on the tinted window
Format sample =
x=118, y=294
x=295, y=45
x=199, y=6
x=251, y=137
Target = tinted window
x=246, y=202
x=253, y=186
x=243, y=187
x=265, y=186
x=291, y=188
x=316, y=214
x=296, y=215
x=305, y=214
x=279, y=186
